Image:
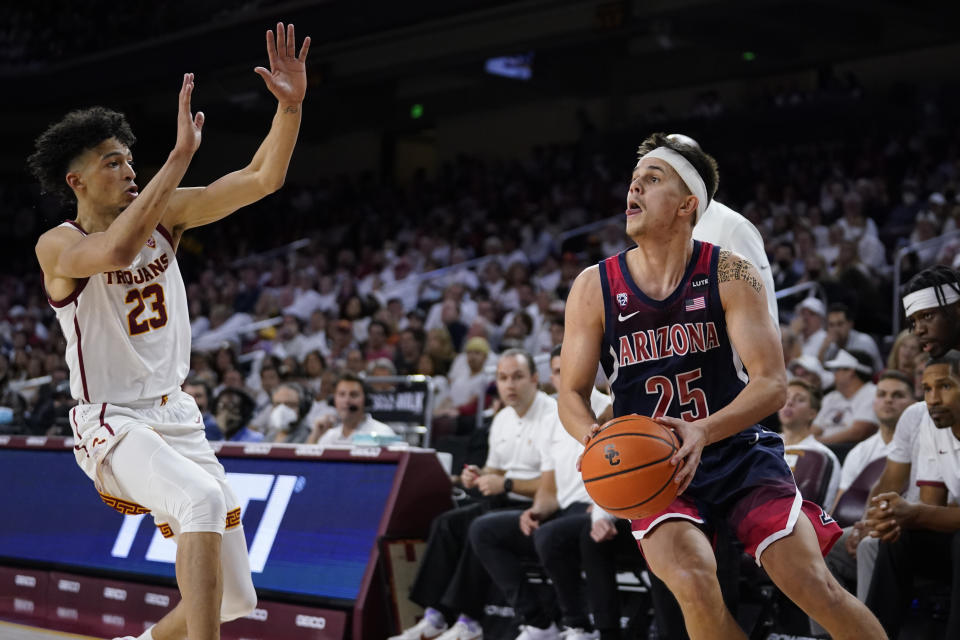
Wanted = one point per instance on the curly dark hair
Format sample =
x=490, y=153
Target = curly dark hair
x=63, y=141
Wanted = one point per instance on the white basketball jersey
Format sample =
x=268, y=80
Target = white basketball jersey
x=128, y=331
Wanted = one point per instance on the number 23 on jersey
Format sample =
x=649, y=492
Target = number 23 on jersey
x=156, y=315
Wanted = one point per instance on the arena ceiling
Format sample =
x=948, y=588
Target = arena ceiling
x=370, y=60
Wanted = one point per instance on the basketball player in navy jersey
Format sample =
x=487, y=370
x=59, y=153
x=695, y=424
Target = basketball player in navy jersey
x=677, y=324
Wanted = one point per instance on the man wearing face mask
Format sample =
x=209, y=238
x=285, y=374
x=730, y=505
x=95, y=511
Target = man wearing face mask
x=286, y=420
x=349, y=399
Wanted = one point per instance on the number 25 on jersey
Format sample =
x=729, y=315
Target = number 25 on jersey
x=685, y=394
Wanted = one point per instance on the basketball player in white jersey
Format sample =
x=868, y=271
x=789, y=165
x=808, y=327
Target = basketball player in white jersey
x=112, y=277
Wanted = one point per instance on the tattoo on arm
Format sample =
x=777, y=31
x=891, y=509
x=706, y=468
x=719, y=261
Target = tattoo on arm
x=291, y=109
x=733, y=267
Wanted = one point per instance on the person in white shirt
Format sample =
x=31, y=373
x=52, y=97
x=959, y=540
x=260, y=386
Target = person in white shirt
x=922, y=538
x=894, y=396
x=724, y=227
x=894, y=393
x=807, y=367
x=930, y=303
x=549, y=530
x=796, y=419
x=842, y=336
x=811, y=314
x=468, y=388
x=847, y=413
x=451, y=579
x=351, y=419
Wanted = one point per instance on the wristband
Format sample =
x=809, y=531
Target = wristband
x=508, y=485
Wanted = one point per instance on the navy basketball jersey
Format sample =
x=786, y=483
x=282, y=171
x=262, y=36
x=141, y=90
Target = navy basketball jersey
x=668, y=357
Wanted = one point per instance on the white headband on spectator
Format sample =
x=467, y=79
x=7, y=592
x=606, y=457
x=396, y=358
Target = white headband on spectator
x=928, y=299
x=690, y=176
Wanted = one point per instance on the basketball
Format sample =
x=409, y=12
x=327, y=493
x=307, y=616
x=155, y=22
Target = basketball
x=626, y=467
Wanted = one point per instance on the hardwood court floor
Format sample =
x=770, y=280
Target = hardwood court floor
x=10, y=631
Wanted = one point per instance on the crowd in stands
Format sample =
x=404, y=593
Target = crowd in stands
x=441, y=275
x=31, y=36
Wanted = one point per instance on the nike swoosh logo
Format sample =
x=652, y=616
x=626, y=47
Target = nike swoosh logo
x=622, y=317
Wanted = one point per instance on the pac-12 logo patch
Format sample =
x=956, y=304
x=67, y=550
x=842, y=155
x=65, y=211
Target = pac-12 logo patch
x=622, y=299
x=151, y=243
x=612, y=455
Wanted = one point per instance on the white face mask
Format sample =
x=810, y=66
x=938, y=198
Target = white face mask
x=281, y=417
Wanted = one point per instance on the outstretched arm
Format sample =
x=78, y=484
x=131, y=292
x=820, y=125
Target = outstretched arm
x=287, y=81
x=64, y=255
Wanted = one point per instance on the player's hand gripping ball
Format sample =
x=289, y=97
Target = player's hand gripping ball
x=626, y=467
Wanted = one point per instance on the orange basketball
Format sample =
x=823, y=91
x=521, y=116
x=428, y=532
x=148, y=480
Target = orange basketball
x=626, y=467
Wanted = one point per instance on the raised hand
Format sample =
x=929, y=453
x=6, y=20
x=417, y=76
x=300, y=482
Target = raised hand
x=287, y=77
x=188, y=125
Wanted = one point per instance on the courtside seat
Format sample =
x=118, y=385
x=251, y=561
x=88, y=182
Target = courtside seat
x=812, y=472
x=853, y=502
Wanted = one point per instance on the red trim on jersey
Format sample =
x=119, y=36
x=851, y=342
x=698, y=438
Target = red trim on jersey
x=83, y=373
x=81, y=282
x=77, y=225
x=167, y=236
x=76, y=429
x=931, y=483
x=77, y=290
x=103, y=410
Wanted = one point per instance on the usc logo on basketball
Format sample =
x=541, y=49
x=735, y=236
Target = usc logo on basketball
x=611, y=454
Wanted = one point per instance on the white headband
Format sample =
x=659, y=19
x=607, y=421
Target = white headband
x=690, y=176
x=928, y=299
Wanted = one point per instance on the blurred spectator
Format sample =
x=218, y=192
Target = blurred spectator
x=289, y=340
x=796, y=421
x=377, y=346
x=790, y=344
x=842, y=336
x=314, y=365
x=847, y=413
x=200, y=390
x=808, y=322
x=341, y=342
x=468, y=388
x=233, y=409
x=784, y=266
x=439, y=348
x=409, y=350
x=808, y=368
x=351, y=418
x=315, y=336
x=894, y=393
x=290, y=404
x=903, y=354
x=225, y=326
x=50, y=415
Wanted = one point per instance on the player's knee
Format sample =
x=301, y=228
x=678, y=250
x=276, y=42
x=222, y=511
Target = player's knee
x=817, y=585
x=692, y=584
x=203, y=507
x=238, y=602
